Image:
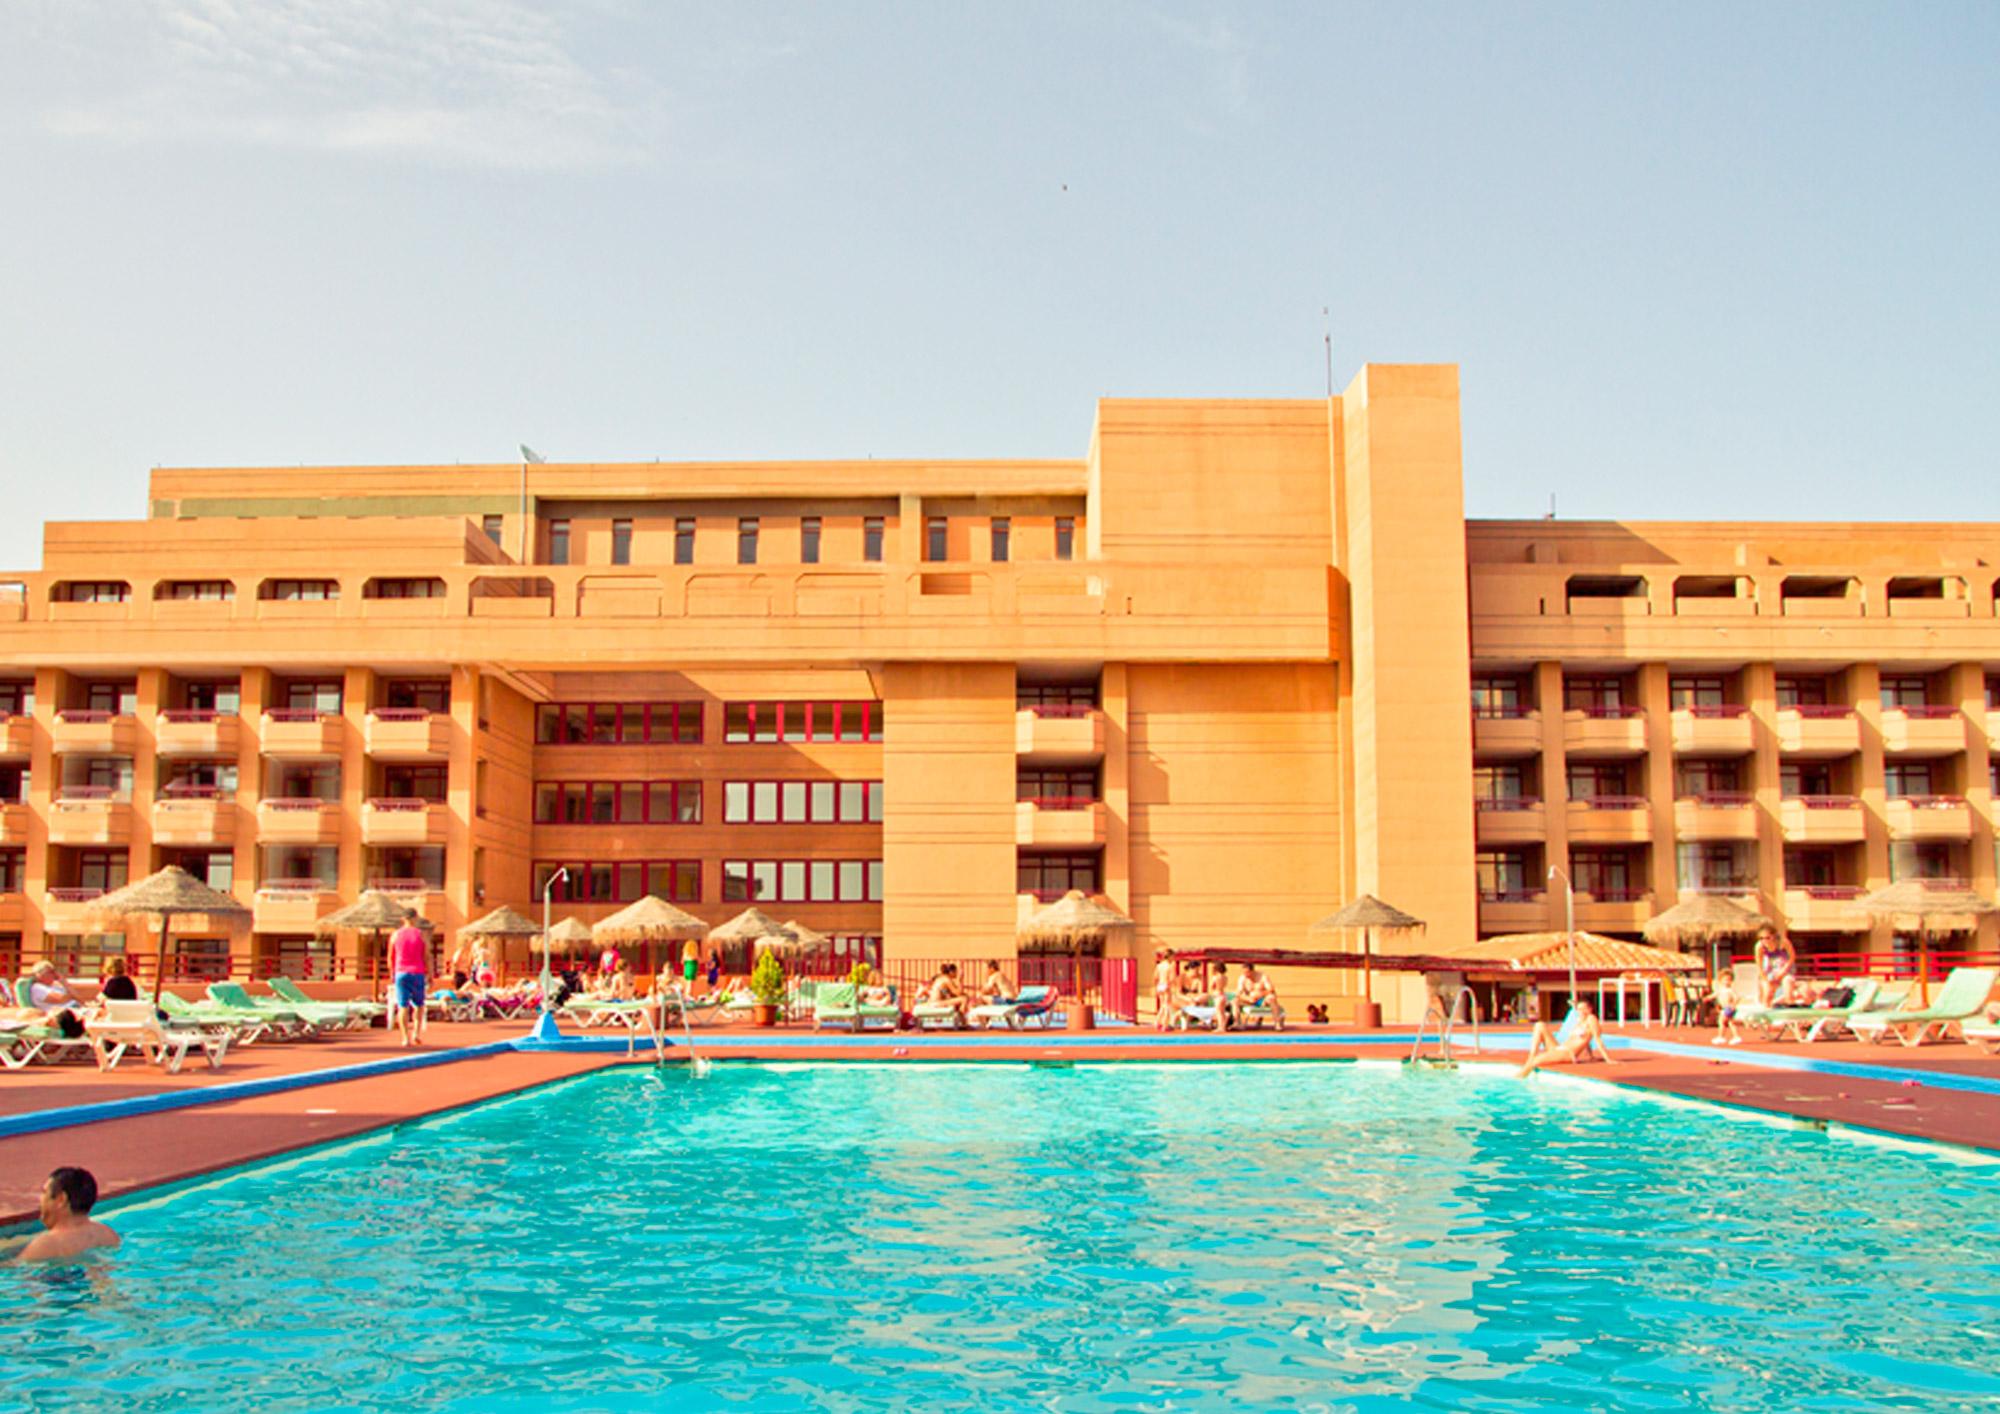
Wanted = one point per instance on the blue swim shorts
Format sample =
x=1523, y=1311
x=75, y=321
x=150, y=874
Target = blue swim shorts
x=408, y=989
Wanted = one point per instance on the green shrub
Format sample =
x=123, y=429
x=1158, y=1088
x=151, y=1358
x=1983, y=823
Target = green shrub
x=857, y=978
x=767, y=980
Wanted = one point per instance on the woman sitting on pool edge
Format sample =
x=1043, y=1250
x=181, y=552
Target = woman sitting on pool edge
x=1570, y=1046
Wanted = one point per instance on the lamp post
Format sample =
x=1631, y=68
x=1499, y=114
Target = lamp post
x=548, y=893
x=1569, y=928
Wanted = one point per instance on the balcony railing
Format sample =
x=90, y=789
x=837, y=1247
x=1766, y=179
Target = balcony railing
x=182, y=790
x=83, y=717
x=1059, y=709
x=1820, y=711
x=1931, y=802
x=295, y=888
x=1510, y=895
x=1715, y=711
x=302, y=804
x=1719, y=799
x=1060, y=802
x=406, y=803
x=191, y=716
x=1507, y=802
x=1610, y=710
x=1503, y=714
x=1831, y=893
x=1722, y=888
x=1825, y=802
x=84, y=795
x=1600, y=894
x=407, y=886
x=1925, y=712
x=74, y=896
x=300, y=714
x=1609, y=802
x=402, y=714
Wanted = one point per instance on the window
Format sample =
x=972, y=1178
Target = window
x=1003, y=531
x=1499, y=697
x=222, y=697
x=305, y=780
x=491, y=525
x=765, y=722
x=802, y=880
x=120, y=699
x=937, y=538
x=108, y=773
x=301, y=589
x=13, y=866
x=621, y=542
x=417, y=694
x=618, y=802
x=614, y=723
x=1803, y=692
x=93, y=591
x=101, y=868
x=1599, y=697
x=1696, y=692
x=871, y=539
x=1503, y=874
x=1905, y=692
x=1056, y=874
x=195, y=589
x=1498, y=783
x=1033, y=696
x=1057, y=787
x=423, y=588
x=17, y=699
x=199, y=778
x=746, y=540
x=1065, y=537
x=1720, y=868
x=414, y=782
x=684, y=540
x=320, y=695
x=623, y=881
x=1803, y=779
x=1904, y=779
x=1608, y=875
x=1811, y=868
x=1700, y=778
x=14, y=783
x=801, y=802
x=809, y=540
x=559, y=542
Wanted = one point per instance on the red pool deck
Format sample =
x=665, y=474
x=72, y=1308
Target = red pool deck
x=141, y=1151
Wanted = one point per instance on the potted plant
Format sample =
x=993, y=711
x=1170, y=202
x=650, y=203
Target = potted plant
x=857, y=976
x=767, y=989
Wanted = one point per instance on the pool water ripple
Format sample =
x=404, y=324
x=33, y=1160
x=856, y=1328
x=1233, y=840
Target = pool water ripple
x=1097, y=1238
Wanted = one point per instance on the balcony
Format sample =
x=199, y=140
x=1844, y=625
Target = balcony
x=1604, y=731
x=1713, y=731
x=1610, y=819
x=1822, y=819
x=90, y=815
x=74, y=910
x=17, y=738
x=1715, y=815
x=403, y=822
x=203, y=815
x=1818, y=732
x=190, y=733
x=13, y=824
x=1060, y=735
x=1523, y=912
x=78, y=733
x=291, y=905
x=408, y=734
x=302, y=733
x=13, y=912
x=1059, y=822
x=426, y=896
x=1618, y=911
x=1824, y=908
x=1509, y=820
x=1500, y=732
x=1928, y=817
x=1923, y=731
x=302, y=820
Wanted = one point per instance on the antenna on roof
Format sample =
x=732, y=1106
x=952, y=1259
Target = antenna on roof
x=1552, y=507
x=1326, y=319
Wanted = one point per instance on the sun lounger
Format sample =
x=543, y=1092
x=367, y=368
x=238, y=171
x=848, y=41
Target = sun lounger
x=607, y=1012
x=1983, y=1034
x=288, y=991
x=23, y=1042
x=1809, y=1023
x=126, y=1025
x=299, y=1020
x=1962, y=998
x=834, y=1004
x=245, y=1027
x=1258, y=1012
x=1032, y=1005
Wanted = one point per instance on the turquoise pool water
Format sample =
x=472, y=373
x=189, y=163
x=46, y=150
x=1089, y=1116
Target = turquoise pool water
x=1115, y=1238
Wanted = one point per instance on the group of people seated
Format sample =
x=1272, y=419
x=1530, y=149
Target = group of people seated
x=1190, y=994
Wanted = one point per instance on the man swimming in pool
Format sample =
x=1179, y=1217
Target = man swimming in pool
x=1547, y=1047
x=67, y=1199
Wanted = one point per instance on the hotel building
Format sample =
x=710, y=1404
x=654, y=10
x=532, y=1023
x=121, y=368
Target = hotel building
x=1238, y=662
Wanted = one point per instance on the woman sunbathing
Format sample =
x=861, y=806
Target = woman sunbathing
x=1547, y=1047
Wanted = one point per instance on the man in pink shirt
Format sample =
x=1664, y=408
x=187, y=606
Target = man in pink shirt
x=408, y=963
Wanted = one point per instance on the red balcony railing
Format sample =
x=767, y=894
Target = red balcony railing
x=1720, y=799
x=1618, y=895
x=1508, y=802
x=1931, y=802
x=191, y=716
x=1613, y=709
x=299, y=803
x=1891, y=966
x=1820, y=710
x=1609, y=802
x=1510, y=895
x=300, y=714
x=75, y=896
x=1723, y=887
x=1924, y=711
x=1061, y=802
x=1502, y=713
x=294, y=888
x=84, y=795
x=187, y=790
x=1060, y=709
x=1715, y=711
x=1826, y=802
x=407, y=886
x=408, y=803
x=402, y=714
x=83, y=717
x=1831, y=893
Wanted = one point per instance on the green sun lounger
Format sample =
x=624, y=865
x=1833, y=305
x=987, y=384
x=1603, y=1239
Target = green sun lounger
x=834, y=1004
x=1962, y=998
x=1983, y=1034
x=287, y=991
x=1807, y=1023
x=307, y=1016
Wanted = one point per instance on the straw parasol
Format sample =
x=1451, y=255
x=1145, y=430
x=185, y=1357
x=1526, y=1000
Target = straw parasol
x=752, y=925
x=374, y=913
x=502, y=922
x=651, y=920
x=803, y=937
x=571, y=930
x=172, y=890
x=1706, y=919
x=1929, y=902
x=1072, y=921
x=1368, y=913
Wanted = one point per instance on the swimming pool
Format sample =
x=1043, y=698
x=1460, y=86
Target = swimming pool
x=1117, y=1237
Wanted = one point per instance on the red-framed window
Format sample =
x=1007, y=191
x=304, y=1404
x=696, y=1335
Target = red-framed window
x=758, y=723
x=801, y=802
x=618, y=723
x=13, y=869
x=17, y=699
x=618, y=802
x=1056, y=874
x=206, y=589
x=801, y=881
x=1029, y=695
x=422, y=587
x=1074, y=784
x=299, y=589
x=93, y=591
x=621, y=880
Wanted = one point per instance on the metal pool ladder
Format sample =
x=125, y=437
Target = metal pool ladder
x=1448, y=1019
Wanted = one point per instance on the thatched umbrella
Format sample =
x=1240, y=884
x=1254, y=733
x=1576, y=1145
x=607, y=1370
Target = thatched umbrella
x=172, y=890
x=569, y=932
x=1368, y=913
x=804, y=937
x=651, y=920
x=1705, y=919
x=1072, y=921
x=752, y=925
x=503, y=922
x=374, y=914
x=1928, y=902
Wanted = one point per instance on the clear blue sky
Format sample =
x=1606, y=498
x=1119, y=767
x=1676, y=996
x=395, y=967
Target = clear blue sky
x=1695, y=259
